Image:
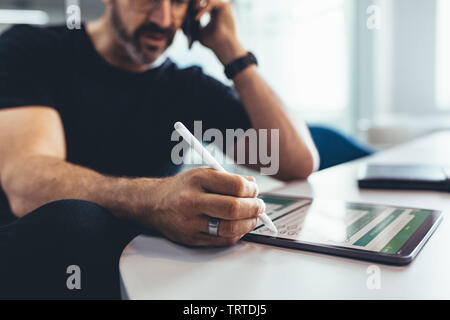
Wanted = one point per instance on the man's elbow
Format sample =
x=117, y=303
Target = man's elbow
x=18, y=204
x=310, y=165
x=19, y=207
x=314, y=160
x=302, y=168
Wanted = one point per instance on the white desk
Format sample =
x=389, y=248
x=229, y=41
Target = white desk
x=154, y=268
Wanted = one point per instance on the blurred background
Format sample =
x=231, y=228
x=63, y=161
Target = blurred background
x=379, y=70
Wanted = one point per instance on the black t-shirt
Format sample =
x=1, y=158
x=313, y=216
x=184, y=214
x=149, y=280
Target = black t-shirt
x=115, y=121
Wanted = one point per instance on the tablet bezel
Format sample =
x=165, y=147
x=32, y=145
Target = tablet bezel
x=403, y=256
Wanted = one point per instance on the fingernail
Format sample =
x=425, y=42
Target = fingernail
x=257, y=189
x=262, y=206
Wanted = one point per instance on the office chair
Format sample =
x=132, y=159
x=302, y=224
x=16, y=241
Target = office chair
x=335, y=148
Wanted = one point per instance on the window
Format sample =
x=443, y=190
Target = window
x=303, y=49
x=443, y=55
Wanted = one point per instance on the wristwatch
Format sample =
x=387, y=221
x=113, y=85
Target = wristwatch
x=234, y=68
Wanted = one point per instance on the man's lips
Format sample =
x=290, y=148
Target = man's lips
x=153, y=39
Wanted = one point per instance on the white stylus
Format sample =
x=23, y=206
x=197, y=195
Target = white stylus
x=210, y=161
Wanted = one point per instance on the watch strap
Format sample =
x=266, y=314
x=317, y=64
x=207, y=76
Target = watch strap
x=234, y=68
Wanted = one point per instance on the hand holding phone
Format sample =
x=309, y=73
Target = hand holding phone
x=219, y=34
x=191, y=27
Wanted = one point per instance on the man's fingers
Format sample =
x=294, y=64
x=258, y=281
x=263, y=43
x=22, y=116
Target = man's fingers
x=226, y=183
x=204, y=6
x=229, y=232
x=250, y=178
x=232, y=229
x=229, y=208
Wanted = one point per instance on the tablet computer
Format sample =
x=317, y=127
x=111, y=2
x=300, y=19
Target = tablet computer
x=407, y=177
x=379, y=233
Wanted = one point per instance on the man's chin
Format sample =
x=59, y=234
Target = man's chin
x=146, y=55
x=152, y=53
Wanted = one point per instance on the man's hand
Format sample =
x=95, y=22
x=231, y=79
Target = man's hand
x=185, y=203
x=220, y=34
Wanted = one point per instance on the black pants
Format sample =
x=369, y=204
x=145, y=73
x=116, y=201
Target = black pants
x=47, y=253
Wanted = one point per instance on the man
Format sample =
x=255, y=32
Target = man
x=87, y=115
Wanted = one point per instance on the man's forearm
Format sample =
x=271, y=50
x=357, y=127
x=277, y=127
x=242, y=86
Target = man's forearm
x=32, y=181
x=265, y=110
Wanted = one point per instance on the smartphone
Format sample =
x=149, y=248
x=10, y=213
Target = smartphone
x=191, y=27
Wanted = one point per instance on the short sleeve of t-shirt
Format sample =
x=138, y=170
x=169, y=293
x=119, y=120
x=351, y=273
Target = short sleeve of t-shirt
x=24, y=68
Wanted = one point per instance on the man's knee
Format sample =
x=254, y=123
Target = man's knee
x=44, y=243
x=72, y=215
x=73, y=222
x=79, y=213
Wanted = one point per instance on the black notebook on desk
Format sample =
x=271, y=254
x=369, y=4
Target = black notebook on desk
x=405, y=177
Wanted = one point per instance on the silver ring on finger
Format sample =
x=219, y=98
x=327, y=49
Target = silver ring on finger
x=213, y=227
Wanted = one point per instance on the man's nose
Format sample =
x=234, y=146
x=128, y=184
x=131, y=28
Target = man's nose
x=162, y=14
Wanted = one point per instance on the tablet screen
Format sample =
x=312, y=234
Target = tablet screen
x=360, y=226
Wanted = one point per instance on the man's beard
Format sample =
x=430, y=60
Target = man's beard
x=132, y=44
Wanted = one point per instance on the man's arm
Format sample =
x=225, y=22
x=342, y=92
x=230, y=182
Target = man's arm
x=33, y=167
x=298, y=155
x=34, y=171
